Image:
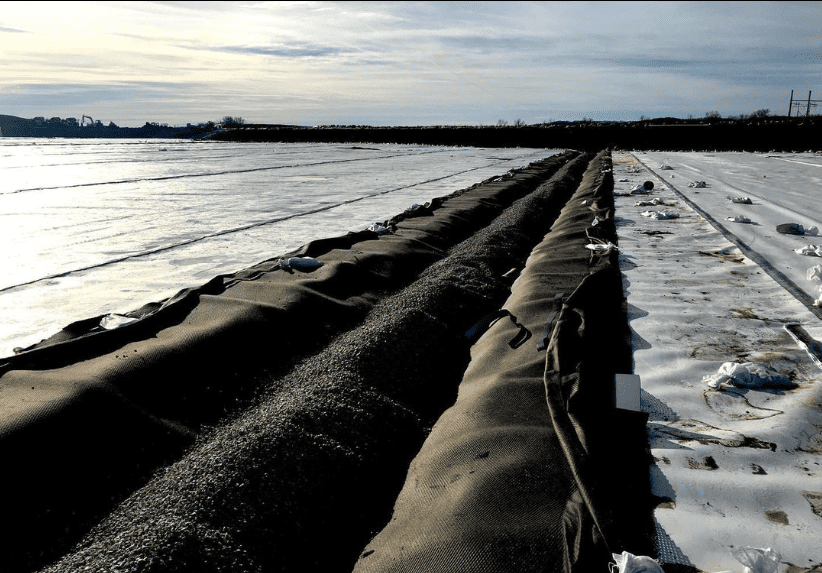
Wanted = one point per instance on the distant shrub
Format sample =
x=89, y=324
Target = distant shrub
x=713, y=115
x=764, y=112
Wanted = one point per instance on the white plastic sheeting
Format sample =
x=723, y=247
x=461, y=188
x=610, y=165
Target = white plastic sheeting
x=729, y=460
x=661, y=215
x=747, y=375
x=630, y=563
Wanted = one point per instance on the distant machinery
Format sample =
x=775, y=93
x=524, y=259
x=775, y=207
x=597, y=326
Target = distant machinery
x=83, y=121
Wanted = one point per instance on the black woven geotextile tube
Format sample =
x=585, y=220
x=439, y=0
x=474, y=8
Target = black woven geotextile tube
x=476, y=331
x=605, y=449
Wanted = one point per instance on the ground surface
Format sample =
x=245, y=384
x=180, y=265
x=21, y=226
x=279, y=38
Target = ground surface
x=735, y=467
x=783, y=188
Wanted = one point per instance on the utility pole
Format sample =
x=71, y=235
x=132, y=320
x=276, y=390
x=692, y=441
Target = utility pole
x=799, y=103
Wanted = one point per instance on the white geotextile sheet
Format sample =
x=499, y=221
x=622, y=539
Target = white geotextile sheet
x=694, y=303
x=782, y=187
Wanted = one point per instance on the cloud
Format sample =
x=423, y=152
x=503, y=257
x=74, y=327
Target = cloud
x=653, y=63
x=486, y=44
x=45, y=95
x=6, y=30
x=279, y=51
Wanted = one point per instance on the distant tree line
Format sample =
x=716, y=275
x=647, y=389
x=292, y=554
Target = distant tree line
x=713, y=115
x=772, y=132
x=231, y=121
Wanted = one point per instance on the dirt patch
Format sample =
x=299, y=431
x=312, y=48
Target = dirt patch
x=796, y=569
x=724, y=257
x=708, y=463
x=758, y=470
x=735, y=406
x=815, y=499
x=625, y=159
x=731, y=348
x=730, y=282
x=746, y=312
x=777, y=516
x=777, y=350
x=664, y=503
x=689, y=430
x=655, y=233
x=813, y=444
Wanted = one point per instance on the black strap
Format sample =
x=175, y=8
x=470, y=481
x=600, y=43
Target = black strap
x=476, y=331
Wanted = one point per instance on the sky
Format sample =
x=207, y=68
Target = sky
x=404, y=63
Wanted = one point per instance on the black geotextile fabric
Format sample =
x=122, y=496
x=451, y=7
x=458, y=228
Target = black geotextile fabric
x=87, y=416
x=303, y=478
x=181, y=372
x=533, y=469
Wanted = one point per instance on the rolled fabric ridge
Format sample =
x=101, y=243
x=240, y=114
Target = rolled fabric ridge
x=195, y=381
x=302, y=479
x=493, y=487
x=86, y=421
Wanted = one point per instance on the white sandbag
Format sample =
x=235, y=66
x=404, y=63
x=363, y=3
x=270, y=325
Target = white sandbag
x=630, y=563
x=757, y=560
x=112, y=321
x=379, y=229
x=747, y=375
x=660, y=215
x=814, y=274
x=650, y=202
x=602, y=248
x=810, y=250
